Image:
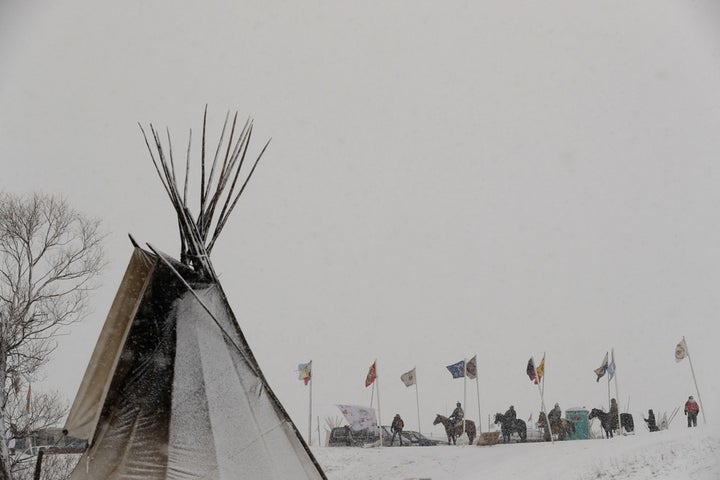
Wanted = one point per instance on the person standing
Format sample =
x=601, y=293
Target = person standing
x=652, y=426
x=396, y=428
x=614, y=415
x=691, y=410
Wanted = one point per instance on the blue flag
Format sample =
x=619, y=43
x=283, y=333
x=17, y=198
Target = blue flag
x=457, y=370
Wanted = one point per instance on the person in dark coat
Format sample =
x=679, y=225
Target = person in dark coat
x=652, y=426
x=555, y=414
x=510, y=415
x=614, y=414
x=396, y=428
x=457, y=415
x=691, y=410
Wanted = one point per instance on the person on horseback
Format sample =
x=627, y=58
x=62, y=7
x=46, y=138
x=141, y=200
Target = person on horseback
x=555, y=414
x=457, y=415
x=510, y=415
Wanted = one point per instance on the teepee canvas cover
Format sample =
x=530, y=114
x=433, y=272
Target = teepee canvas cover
x=172, y=390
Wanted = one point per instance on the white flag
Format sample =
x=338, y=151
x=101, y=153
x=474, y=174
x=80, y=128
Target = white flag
x=681, y=351
x=408, y=378
x=358, y=417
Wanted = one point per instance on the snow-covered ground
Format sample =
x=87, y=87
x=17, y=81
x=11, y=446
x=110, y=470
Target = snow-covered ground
x=679, y=453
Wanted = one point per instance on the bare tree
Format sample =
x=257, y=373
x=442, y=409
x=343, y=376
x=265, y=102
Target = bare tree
x=28, y=416
x=50, y=256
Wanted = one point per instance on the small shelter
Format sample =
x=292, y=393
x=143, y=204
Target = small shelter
x=579, y=417
x=172, y=390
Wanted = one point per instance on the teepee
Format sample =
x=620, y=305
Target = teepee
x=172, y=390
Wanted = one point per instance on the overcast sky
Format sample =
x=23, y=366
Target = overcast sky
x=444, y=179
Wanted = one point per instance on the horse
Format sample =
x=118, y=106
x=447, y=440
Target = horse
x=561, y=426
x=509, y=426
x=609, y=422
x=455, y=431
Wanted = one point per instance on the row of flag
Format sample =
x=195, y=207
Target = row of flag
x=469, y=369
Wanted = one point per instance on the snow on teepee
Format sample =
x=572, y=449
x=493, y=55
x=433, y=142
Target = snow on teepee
x=172, y=390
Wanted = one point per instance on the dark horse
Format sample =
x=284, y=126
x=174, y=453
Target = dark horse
x=455, y=431
x=509, y=426
x=609, y=422
x=562, y=427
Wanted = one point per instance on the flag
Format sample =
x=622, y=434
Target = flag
x=471, y=368
x=358, y=417
x=457, y=370
x=611, y=367
x=305, y=371
x=530, y=370
x=540, y=370
x=27, y=398
x=681, y=351
x=603, y=368
x=371, y=376
x=408, y=378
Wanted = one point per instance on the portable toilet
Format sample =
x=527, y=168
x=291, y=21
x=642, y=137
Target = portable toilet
x=579, y=417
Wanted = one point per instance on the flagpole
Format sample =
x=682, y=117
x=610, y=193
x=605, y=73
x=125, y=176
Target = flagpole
x=377, y=377
x=617, y=392
x=372, y=394
x=465, y=390
x=310, y=412
x=702, y=409
x=542, y=400
x=477, y=386
x=417, y=401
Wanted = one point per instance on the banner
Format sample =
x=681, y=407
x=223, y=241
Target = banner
x=358, y=417
x=408, y=378
x=305, y=371
x=681, y=351
x=471, y=368
x=600, y=372
x=371, y=375
x=457, y=370
x=540, y=370
x=611, y=367
x=530, y=370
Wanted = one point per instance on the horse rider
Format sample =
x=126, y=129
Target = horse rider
x=510, y=415
x=555, y=414
x=456, y=417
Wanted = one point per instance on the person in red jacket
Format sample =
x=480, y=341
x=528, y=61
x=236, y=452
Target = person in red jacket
x=691, y=410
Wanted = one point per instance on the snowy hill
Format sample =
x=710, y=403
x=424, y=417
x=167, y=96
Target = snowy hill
x=671, y=454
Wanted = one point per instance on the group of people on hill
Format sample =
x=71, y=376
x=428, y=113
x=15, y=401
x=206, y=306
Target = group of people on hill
x=691, y=412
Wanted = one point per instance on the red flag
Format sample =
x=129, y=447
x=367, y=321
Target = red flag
x=471, y=368
x=530, y=370
x=371, y=376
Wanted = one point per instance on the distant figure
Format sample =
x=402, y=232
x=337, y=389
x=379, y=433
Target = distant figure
x=652, y=426
x=555, y=414
x=510, y=414
x=614, y=413
x=691, y=410
x=457, y=415
x=396, y=428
